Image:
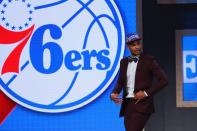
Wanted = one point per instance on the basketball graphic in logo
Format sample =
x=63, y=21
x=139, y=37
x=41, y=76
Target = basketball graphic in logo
x=58, y=56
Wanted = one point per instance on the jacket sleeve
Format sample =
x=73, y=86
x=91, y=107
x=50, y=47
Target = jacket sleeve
x=159, y=74
x=119, y=84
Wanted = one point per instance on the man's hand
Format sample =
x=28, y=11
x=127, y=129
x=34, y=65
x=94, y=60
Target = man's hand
x=114, y=97
x=139, y=95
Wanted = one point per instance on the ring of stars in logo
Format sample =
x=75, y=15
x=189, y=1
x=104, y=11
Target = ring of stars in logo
x=13, y=26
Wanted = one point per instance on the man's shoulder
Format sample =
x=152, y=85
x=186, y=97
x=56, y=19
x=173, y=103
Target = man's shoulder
x=125, y=59
x=147, y=56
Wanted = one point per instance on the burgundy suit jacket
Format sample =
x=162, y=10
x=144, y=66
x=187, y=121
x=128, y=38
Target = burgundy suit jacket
x=146, y=70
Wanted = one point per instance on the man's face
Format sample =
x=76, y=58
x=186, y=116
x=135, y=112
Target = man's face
x=135, y=47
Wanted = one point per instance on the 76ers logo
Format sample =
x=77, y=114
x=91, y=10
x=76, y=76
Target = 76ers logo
x=58, y=56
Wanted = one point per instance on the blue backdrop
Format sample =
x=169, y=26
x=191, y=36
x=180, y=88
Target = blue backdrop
x=99, y=115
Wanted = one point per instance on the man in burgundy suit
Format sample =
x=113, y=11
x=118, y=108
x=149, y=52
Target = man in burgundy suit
x=135, y=79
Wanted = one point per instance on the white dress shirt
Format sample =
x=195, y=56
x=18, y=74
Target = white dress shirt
x=131, y=70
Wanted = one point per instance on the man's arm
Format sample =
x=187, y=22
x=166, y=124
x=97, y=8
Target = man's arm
x=119, y=84
x=118, y=88
x=160, y=75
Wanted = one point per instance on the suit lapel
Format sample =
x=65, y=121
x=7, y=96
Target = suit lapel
x=139, y=66
x=125, y=69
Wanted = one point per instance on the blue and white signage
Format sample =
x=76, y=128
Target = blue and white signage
x=189, y=68
x=58, y=56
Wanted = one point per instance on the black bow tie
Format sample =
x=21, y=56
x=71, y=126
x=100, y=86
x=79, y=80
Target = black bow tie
x=131, y=59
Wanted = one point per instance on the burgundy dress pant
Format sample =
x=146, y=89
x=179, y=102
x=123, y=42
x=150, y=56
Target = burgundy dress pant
x=133, y=120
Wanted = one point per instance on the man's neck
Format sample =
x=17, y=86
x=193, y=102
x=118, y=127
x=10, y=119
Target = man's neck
x=135, y=55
